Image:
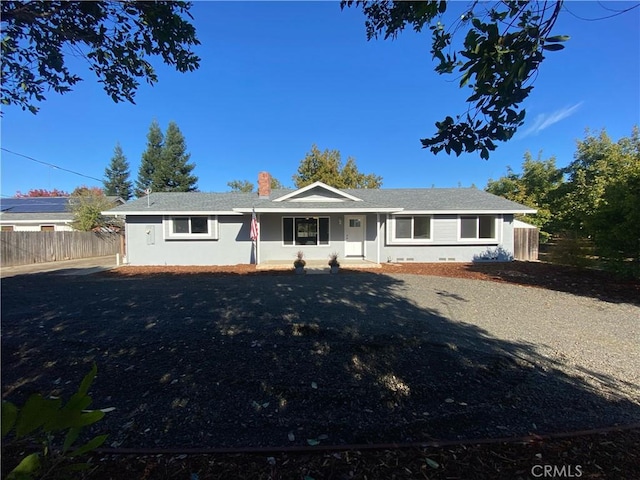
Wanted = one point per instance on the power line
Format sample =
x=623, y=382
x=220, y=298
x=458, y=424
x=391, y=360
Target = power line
x=50, y=164
x=618, y=12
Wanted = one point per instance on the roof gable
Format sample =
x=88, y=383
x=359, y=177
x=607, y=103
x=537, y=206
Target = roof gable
x=318, y=192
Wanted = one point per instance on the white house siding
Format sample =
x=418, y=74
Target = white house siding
x=232, y=247
x=26, y=227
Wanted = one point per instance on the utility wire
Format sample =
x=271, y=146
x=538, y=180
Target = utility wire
x=50, y=164
x=618, y=12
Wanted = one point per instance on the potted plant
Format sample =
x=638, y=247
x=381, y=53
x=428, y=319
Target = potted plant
x=334, y=263
x=299, y=262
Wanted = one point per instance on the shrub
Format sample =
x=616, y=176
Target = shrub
x=43, y=421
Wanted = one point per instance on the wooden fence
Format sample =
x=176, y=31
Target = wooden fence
x=23, y=248
x=526, y=243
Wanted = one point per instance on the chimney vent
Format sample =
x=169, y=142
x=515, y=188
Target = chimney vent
x=264, y=184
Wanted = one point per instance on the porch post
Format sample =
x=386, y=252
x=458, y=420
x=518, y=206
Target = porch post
x=378, y=237
x=258, y=241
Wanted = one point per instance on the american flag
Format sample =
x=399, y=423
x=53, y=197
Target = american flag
x=254, y=226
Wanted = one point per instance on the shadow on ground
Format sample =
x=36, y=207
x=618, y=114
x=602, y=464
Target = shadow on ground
x=197, y=360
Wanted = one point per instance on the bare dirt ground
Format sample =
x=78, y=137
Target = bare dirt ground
x=590, y=283
x=174, y=344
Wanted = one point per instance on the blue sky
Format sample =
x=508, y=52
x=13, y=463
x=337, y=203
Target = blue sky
x=277, y=77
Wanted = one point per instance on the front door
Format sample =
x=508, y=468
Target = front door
x=354, y=236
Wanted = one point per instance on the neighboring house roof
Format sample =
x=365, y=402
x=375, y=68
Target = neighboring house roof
x=322, y=198
x=34, y=205
x=40, y=209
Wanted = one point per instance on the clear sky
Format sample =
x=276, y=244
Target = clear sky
x=277, y=77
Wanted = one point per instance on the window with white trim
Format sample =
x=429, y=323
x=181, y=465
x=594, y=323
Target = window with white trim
x=191, y=227
x=410, y=228
x=478, y=227
x=305, y=230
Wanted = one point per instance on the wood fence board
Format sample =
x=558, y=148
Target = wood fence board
x=24, y=248
x=526, y=243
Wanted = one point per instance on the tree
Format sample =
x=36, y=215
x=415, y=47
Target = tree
x=327, y=167
x=535, y=187
x=601, y=196
x=498, y=59
x=115, y=38
x=164, y=166
x=117, y=176
x=174, y=174
x=244, y=186
x=247, y=187
x=151, y=159
x=41, y=192
x=87, y=205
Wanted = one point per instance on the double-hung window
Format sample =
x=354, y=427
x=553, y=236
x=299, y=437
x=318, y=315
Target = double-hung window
x=478, y=227
x=305, y=230
x=191, y=227
x=410, y=229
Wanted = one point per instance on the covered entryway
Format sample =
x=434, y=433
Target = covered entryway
x=354, y=235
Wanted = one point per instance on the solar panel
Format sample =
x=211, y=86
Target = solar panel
x=34, y=205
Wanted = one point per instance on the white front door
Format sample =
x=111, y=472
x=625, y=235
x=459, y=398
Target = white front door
x=354, y=236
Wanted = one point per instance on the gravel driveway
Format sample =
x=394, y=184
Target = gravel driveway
x=266, y=360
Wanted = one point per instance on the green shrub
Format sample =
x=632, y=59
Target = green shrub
x=55, y=427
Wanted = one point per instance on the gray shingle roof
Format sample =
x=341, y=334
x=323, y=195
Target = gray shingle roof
x=412, y=199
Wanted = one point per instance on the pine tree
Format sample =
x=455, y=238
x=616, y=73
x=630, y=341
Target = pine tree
x=151, y=160
x=174, y=174
x=117, y=176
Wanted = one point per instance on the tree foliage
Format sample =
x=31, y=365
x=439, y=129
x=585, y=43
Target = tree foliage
x=596, y=197
x=246, y=186
x=327, y=167
x=535, y=187
x=117, y=176
x=601, y=196
x=174, y=172
x=151, y=159
x=115, y=38
x=165, y=163
x=497, y=58
x=41, y=192
x=87, y=205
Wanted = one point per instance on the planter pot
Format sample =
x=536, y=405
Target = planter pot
x=335, y=270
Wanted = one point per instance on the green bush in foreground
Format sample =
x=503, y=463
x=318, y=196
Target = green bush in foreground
x=54, y=426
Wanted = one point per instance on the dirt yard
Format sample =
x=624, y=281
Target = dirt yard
x=230, y=357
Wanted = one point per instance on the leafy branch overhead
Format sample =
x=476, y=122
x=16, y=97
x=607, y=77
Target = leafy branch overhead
x=114, y=38
x=498, y=59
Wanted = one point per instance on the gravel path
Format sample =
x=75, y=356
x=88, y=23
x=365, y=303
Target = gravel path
x=596, y=341
x=278, y=360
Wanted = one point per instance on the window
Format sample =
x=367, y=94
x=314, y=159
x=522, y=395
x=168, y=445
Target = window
x=192, y=227
x=7, y=228
x=47, y=228
x=478, y=227
x=410, y=229
x=305, y=230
